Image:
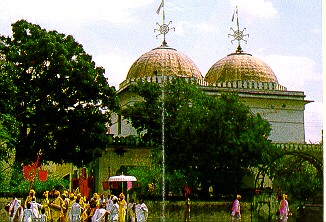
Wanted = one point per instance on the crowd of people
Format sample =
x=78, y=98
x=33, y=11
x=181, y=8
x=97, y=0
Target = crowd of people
x=72, y=207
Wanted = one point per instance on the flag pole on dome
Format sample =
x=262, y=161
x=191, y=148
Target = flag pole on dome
x=164, y=28
x=237, y=34
x=161, y=6
x=236, y=13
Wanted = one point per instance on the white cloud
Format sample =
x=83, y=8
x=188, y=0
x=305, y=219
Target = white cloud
x=175, y=6
x=317, y=31
x=186, y=27
x=292, y=71
x=313, y=121
x=205, y=27
x=71, y=10
x=181, y=27
x=181, y=5
x=116, y=67
x=70, y=15
x=259, y=8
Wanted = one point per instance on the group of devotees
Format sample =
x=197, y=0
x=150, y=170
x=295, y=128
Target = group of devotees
x=72, y=207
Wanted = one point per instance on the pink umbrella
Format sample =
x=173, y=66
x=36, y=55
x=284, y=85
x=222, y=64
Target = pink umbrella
x=122, y=178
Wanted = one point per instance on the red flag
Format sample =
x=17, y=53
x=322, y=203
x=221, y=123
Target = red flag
x=43, y=175
x=129, y=185
x=29, y=172
x=83, y=187
x=105, y=185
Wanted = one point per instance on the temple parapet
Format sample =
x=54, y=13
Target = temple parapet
x=300, y=147
x=239, y=84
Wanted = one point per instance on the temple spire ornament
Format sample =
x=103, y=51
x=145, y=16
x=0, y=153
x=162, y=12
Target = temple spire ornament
x=164, y=28
x=237, y=34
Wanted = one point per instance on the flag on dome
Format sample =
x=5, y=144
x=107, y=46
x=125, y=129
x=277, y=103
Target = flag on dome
x=235, y=12
x=159, y=8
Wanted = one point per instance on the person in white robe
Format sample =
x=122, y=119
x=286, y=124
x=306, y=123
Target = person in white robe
x=15, y=210
x=35, y=207
x=114, y=212
x=75, y=211
x=143, y=212
x=100, y=213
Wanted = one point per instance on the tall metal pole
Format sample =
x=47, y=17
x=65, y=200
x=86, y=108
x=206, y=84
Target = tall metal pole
x=163, y=148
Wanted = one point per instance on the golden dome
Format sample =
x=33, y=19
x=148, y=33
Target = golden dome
x=240, y=66
x=164, y=59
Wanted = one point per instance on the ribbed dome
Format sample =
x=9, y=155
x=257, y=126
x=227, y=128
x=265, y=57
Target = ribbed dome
x=240, y=66
x=164, y=59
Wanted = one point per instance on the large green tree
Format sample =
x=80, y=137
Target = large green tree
x=9, y=127
x=56, y=93
x=211, y=140
x=9, y=132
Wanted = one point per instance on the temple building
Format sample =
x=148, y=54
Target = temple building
x=238, y=72
x=253, y=80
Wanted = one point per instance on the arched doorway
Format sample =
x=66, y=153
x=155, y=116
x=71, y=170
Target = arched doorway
x=298, y=174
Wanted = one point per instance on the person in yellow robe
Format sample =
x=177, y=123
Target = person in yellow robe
x=122, y=207
x=65, y=205
x=56, y=207
x=31, y=195
x=84, y=206
x=45, y=203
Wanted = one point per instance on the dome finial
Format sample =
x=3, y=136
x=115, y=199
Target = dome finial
x=164, y=28
x=237, y=34
x=239, y=49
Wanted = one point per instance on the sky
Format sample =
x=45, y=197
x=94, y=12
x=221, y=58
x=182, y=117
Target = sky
x=285, y=34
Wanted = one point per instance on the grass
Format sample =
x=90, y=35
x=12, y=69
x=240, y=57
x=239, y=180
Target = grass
x=200, y=211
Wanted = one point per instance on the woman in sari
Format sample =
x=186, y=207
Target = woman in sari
x=284, y=208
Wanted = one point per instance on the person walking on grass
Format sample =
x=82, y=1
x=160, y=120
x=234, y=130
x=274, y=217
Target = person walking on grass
x=143, y=211
x=284, y=208
x=235, y=213
x=187, y=209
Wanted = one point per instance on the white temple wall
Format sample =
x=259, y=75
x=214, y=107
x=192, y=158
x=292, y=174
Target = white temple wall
x=285, y=116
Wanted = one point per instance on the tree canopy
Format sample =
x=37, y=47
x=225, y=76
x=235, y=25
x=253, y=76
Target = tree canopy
x=211, y=140
x=59, y=97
